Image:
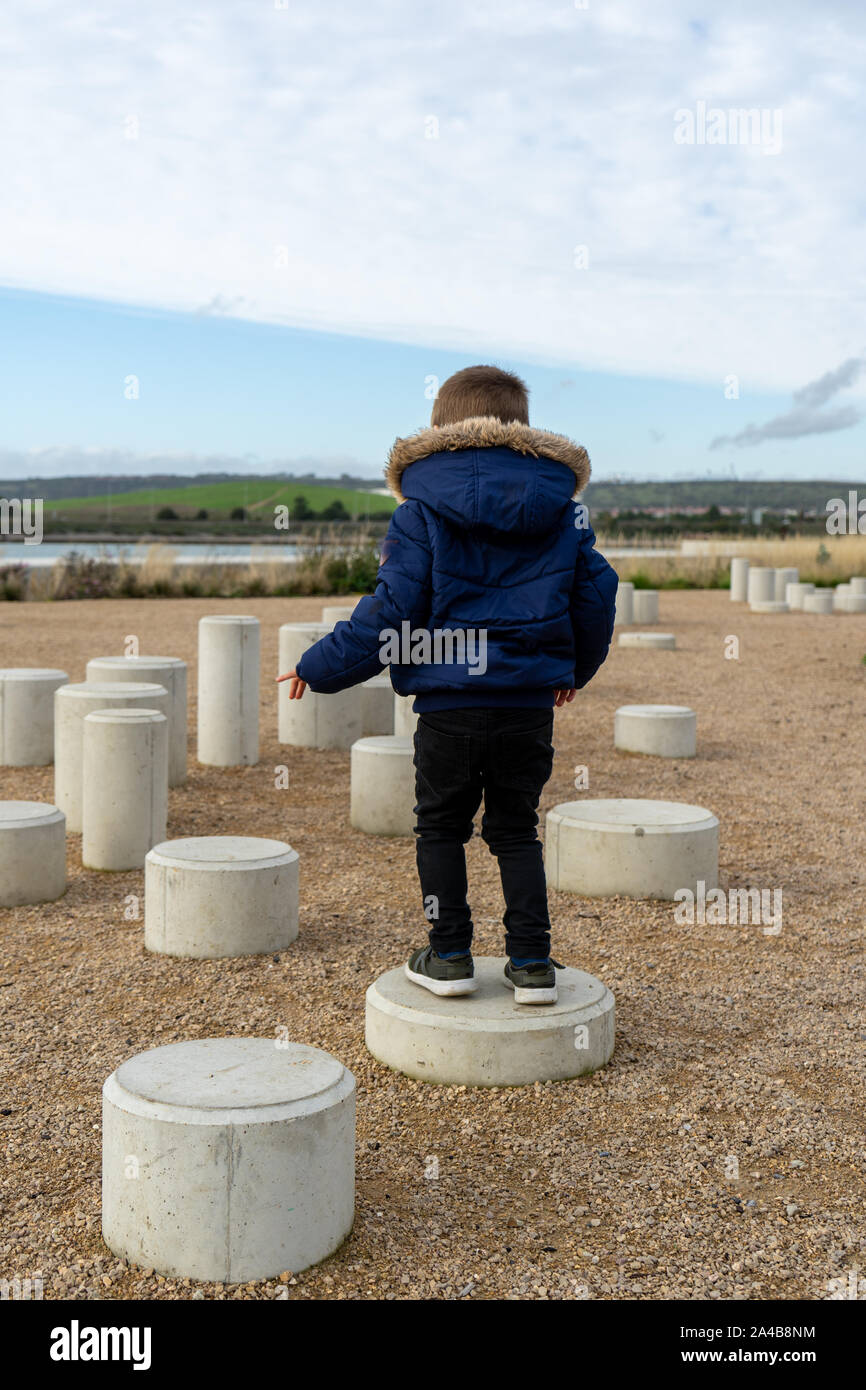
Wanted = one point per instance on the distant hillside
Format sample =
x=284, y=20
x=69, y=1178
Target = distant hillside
x=797, y=495
x=207, y=501
x=95, y=485
x=602, y=495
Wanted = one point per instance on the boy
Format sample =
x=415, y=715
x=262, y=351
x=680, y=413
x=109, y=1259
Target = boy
x=492, y=607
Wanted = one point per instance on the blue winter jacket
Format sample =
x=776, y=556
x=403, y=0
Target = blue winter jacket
x=490, y=591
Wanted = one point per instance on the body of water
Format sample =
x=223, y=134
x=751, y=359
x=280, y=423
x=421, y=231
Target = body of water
x=224, y=553
x=184, y=553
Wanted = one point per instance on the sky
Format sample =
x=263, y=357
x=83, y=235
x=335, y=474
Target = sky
x=254, y=235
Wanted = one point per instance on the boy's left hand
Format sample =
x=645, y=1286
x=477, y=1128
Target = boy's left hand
x=563, y=697
x=296, y=686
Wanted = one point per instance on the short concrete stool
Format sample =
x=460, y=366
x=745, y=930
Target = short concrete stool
x=761, y=585
x=220, y=895
x=377, y=706
x=795, y=593
x=334, y=613
x=853, y=602
x=739, y=579
x=405, y=718
x=27, y=715
x=32, y=853
x=858, y=585
x=72, y=704
x=485, y=1039
x=652, y=641
x=633, y=849
x=383, y=785
x=228, y=1159
x=228, y=691
x=666, y=731
x=169, y=671
x=770, y=606
x=784, y=576
x=840, y=593
x=646, y=606
x=315, y=721
x=624, y=604
x=821, y=601
x=124, y=787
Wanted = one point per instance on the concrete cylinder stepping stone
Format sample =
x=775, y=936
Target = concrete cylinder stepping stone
x=632, y=849
x=27, y=715
x=624, y=604
x=858, y=585
x=169, y=671
x=645, y=607
x=228, y=1159
x=770, y=606
x=784, y=576
x=665, y=731
x=124, y=798
x=32, y=853
x=334, y=613
x=405, y=718
x=377, y=706
x=383, y=785
x=821, y=601
x=853, y=602
x=840, y=593
x=72, y=704
x=485, y=1039
x=315, y=721
x=739, y=580
x=652, y=641
x=795, y=593
x=220, y=895
x=228, y=691
x=762, y=584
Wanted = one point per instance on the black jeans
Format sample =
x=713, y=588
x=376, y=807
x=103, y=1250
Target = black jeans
x=506, y=756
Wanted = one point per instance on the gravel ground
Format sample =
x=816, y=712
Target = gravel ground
x=737, y=1051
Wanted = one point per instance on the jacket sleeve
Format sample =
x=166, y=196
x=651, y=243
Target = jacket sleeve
x=350, y=654
x=593, y=605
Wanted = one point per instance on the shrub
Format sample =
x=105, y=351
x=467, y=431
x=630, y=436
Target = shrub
x=166, y=514
x=127, y=583
x=13, y=582
x=82, y=577
x=253, y=587
x=361, y=571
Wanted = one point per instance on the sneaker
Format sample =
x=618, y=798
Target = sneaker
x=455, y=976
x=534, y=983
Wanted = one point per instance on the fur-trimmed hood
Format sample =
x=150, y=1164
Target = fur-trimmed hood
x=485, y=432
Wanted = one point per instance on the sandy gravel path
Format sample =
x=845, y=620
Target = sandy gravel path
x=736, y=1051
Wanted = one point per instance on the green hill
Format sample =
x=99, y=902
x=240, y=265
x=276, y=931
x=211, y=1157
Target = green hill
x=257, y=496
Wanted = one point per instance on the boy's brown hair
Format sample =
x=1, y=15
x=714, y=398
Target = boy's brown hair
x=481, y=391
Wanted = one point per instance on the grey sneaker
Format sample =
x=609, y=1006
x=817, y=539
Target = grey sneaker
x=534, y=983
x=456, y=976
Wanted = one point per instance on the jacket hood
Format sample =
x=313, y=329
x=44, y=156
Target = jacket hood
x=485, y=432
x=483, y=473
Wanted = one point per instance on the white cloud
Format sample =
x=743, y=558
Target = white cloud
x=256, y=128
x=806, y=415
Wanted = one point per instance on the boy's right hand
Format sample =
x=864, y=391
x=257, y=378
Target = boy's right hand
x=563, y=697
x=296, y=685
